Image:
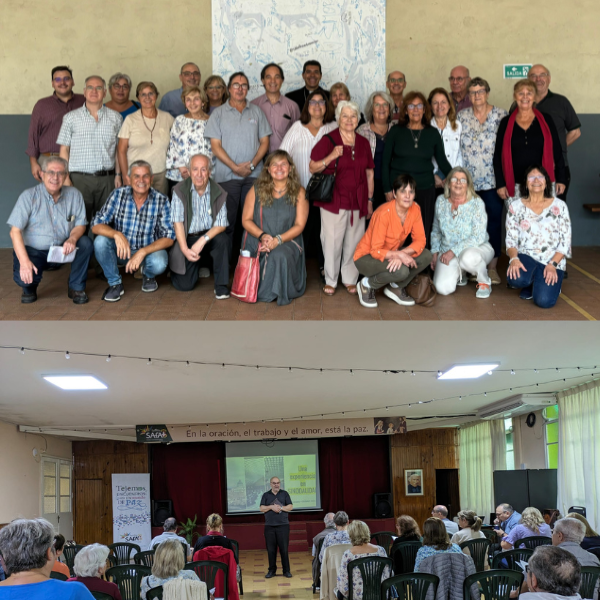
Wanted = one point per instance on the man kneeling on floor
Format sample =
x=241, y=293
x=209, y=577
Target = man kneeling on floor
x=133, y=229
x=47, y=216
x=200, y=217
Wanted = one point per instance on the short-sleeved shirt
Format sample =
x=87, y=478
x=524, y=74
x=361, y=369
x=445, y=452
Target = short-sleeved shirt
x=522, y=531
x=563, y=114
x=272, y=518
x=141, y=228
x=144, y=145
x=46, y=120
x=202, y=219
x=171, y=102
x=92, y=143
x=240, y=135
x=51, y=589
x=281, y=116
x=43, y=222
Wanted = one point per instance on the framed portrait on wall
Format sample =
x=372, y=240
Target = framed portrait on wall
x=413, y=482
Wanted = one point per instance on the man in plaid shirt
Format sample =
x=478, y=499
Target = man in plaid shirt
x=134, y=229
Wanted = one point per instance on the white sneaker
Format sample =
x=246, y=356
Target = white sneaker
x=203, y=273
x=483, y=290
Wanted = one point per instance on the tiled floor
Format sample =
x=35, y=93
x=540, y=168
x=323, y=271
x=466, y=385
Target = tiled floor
x=168, y=304
x=254, y=565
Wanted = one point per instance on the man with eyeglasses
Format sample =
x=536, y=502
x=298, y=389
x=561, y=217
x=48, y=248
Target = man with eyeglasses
x=562, y=112
x=171, y=102
x=47, y=117
x=88, y=142
x=459, y=83
x=396, y=83
x=311, y=73
x=48, y=215
x=507, y=518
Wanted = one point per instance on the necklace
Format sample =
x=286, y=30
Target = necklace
x=416, y=139
x=148, y=128
x=351, y=145
x=280, y=191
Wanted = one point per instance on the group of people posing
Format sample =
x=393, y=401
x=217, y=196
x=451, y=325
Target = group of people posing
x=421, y=184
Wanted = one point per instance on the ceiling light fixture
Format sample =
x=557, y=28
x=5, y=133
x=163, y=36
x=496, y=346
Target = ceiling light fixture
x=468, y=371
x=76, y=382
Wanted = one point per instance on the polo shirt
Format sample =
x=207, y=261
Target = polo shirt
x=239, y=133
x=43, y=222
x=171, y=102
x=563, y=114
x=281, y=116
x=273, y=518
x=300, y=96
x=46, y=119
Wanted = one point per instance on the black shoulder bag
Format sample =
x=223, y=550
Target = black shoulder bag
x=320, y=186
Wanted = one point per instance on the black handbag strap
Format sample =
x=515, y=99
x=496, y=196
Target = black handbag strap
x=338, y=158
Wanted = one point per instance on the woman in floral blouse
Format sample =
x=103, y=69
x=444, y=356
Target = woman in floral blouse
x=360, y=536
x=478, y=142
x=459, y=238
x=187, y=135
x=538, y=239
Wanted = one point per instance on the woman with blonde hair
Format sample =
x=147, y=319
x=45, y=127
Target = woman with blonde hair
x=275, y=213
x=592, y=538
x=470, y=529
x=168, y=564
x=214, y=535
x=216, y=91
x=435, y=541
x=532, y=524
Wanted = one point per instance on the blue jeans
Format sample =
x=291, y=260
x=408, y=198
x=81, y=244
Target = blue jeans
x=79, y=267
x=494, y=205
x=106, y=254
x=544, y=295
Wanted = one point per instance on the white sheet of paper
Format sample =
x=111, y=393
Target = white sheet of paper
x=55, y=255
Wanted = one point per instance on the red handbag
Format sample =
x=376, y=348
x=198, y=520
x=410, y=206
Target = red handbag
x=247, y=275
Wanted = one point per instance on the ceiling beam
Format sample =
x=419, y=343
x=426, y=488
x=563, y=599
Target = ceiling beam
x=74, y=433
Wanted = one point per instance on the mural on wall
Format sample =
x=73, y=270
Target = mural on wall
x=346, y=36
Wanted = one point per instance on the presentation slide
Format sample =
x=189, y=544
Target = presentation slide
x=250, y=466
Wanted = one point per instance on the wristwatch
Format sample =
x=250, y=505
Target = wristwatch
x=252, y=167
x=554, y=264
x=207, y=237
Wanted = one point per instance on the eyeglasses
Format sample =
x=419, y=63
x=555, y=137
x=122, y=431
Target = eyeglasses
x=540, y=76
x=459, y=79
x=399, y=80
x=53, y=174
x=482, y=92
x=415, y=106
x=240, y=86
x=118, y=86
x=215, y=88
x=533, y=178
x=66, y=79
x=457, y=180
x=94, y=88
x=381, y=105
x=317, y=103
x=148, y=95
x=190, y=73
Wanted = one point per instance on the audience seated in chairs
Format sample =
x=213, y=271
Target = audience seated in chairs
x=60, y=567
x=329, y=528
x=27, y=546
x=592, y=538
x=435, y=541
x=214, y=535
x=470, y=529
x=89, y=568
x=441, y=512
x=408, y=530
x=170, y=533
x=340, y=535
x=552, y=574
x=168, y=564
x=531, y=524
x=360, y=537
x=568, y=534
x=332, y=559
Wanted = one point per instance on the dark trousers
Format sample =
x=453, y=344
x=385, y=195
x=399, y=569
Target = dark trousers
x=236, y=189
x=544, y=295
x=494, y=205
x=563, y=196
x=378, y=194
x=79, y=267
x=426, y=201
x=278, y=537
x=312, y=236
x=95, y=191
x=218, y=249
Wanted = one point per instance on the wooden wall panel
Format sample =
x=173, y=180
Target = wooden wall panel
x=427, y=449
x=93, y=465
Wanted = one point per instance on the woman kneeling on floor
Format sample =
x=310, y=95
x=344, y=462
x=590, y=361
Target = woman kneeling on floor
x=380, y=255
x=459, y=238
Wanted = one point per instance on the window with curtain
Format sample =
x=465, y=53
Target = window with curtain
x=550, y=414
x=510, y=449
x=482, y=451
x=579, y=450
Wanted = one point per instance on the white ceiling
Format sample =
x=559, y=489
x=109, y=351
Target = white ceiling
x=176, y=394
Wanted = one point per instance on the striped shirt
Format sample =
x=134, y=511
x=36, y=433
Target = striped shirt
x=202, y=218
x=92, y=143
x=46, y=119
x=141, y=228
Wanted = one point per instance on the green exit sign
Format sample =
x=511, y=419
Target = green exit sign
x=516, y=71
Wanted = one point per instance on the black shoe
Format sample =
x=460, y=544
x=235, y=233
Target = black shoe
x=27, y=297
x=149, y=284
x=269, y=575
x=78, y=296
x=287, y=574
x=113, y=293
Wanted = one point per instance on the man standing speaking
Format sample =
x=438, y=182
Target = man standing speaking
x=275, y=505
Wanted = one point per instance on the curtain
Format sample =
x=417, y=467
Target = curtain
x=482, y=451
x=579, y=450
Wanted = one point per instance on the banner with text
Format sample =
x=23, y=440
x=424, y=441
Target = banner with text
x=131, y=508
x=283, y=430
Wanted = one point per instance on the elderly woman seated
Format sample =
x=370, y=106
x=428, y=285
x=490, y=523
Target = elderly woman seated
x=27, y=547
x=531, y=524
x=339, y=536
x=380, y=254
x=89, y=568
x=168, y=564
x=538, y=239
x=459, y=238
x=360, y=537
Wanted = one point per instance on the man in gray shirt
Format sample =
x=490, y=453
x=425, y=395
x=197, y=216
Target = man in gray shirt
x=49, y=214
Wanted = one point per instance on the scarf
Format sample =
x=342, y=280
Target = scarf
x=547, y=155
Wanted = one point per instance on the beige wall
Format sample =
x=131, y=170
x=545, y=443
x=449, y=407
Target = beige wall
x=21, y=474
x=151, y=39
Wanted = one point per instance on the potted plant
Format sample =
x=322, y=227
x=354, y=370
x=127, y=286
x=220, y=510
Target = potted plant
x=188, y=530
